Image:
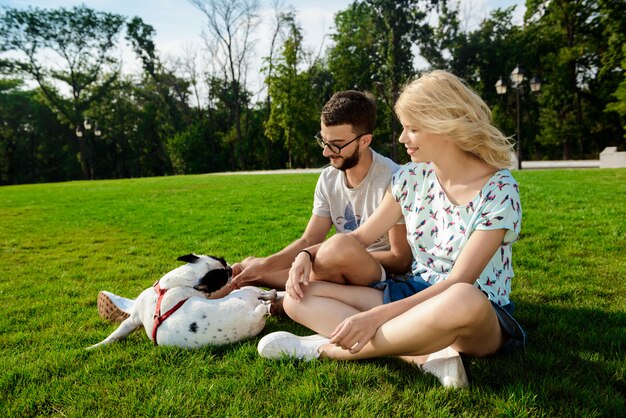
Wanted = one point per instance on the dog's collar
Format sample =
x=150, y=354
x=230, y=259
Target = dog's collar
x=158, y=318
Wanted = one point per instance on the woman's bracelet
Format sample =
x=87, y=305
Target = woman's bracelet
x=308, y=252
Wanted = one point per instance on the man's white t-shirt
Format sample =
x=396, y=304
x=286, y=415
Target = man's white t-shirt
x=349, y=207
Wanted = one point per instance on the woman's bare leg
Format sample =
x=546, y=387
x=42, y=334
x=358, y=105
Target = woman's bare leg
x=461, y=317
x=325, y=305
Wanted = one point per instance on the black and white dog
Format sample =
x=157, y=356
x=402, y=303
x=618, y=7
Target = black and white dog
x=176, y=310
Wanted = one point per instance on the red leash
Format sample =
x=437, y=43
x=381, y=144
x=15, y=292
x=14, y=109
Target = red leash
x=158, y=318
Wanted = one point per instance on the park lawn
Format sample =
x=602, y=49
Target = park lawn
x=62, y=243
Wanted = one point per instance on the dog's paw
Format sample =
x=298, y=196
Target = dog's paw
x=268, y=295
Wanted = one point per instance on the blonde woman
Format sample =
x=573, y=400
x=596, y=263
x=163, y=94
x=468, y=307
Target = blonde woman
x=462, y=212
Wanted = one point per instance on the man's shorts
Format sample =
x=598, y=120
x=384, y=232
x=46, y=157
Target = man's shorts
x=399, y=288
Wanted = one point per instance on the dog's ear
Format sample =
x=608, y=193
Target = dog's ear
x=189, y=258
x=220, y=259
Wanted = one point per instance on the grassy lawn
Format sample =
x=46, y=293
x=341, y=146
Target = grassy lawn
x=62, y=243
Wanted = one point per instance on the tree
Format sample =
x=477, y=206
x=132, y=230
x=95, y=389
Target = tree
x=380, y=35
x=231, y=24
x=618, y=104
x=32, y=144
x=491, y=52
x=582, y=71
x=280, y=22
x=65, y=50
x=440, y=44
x=352, y=58
x=614, y=61
x=294, y=113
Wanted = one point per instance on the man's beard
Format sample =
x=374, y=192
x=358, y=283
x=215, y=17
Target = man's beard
x=351, y=161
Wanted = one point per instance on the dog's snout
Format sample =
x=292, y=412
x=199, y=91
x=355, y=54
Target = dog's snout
x=214, y=279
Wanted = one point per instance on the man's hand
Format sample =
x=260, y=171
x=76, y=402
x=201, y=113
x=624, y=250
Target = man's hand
x=298, y=276
x=249, y=269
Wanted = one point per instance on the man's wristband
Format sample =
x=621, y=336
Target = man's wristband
x=308, y=252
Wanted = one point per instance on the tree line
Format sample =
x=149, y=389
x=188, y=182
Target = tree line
x=68, y=110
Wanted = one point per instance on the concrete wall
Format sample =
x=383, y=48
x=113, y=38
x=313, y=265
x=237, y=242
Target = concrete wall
x=610, y=158
x=541, y=165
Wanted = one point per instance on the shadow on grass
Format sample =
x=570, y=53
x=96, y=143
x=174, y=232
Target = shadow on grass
x=574, y=361
x=573, y=364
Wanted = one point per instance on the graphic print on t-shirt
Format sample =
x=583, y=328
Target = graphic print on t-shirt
x=349, y=221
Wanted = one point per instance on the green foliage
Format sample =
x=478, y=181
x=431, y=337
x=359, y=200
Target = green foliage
x=440, y=47
x=352, y=58
x=150, y=128
x=65, y=49
x=373, y=51
x=62, y=243
x=399, y=24
x=294, y=111
x=82, y=40
x=33, y=144
x=618, y=105
x=580, y=62
x=187, y=151
x=231, y=24
x=140, y=36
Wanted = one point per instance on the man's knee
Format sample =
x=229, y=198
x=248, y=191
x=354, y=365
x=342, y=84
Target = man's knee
x=333, y=259
x=342, y=259
x=338, y=248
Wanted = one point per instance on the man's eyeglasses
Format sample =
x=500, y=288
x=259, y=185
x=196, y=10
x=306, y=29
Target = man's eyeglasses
x=335, y=148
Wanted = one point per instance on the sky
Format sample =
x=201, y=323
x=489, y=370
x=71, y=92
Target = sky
x=179, y=25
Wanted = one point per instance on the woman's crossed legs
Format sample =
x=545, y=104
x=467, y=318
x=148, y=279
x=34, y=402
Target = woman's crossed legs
x=460, y=317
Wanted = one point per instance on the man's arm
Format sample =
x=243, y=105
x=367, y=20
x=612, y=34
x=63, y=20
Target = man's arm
x=256, y=268
x=385, y=219
x=398, y=258
x=315, y=232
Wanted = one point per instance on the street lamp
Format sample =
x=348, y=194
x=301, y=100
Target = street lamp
x=517, y=78
x=80, y=133
x=86, y=126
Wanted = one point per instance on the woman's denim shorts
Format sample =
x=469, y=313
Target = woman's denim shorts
x=395, y=289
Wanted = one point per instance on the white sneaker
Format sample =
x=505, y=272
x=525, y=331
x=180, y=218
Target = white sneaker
x=284, y=344
x=447, y=366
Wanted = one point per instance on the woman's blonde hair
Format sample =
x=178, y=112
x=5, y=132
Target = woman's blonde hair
x=439, y=102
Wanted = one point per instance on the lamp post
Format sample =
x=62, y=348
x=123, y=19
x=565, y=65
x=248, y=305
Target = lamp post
x=517, y=78
x=81, y=131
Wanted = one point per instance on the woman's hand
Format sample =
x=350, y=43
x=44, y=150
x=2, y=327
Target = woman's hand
x=299, y=275
x=354, y=332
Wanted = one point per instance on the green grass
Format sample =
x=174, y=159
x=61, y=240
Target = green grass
x=62, y=243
